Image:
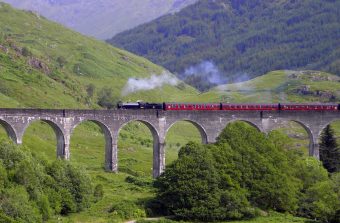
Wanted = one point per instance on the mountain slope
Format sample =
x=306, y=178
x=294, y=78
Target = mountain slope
x=43, y=64
x=246, y=38
x=104, y=18
x=278, y=86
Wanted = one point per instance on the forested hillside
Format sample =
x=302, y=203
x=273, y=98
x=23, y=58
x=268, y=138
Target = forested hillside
x=243, y=39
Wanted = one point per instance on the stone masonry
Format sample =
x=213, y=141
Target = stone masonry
x=209, y=123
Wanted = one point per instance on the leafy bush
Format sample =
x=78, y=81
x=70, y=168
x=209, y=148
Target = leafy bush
x=191, y=188
x=139, y=181
x=245, y=171
x=126, y=210
x=98, y=192
x=106, y=98
x=33, y=189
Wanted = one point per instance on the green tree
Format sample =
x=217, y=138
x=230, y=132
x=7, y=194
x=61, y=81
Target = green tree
x=329, y=150
x=243, y=171
x=106, y=98
x=32, y=189
x=98, y=192
x=14, y=202
x=90, y=89
x=26, y=52
x=320, y=201
x=3, y=176
x=190, y=188
x=61, y=61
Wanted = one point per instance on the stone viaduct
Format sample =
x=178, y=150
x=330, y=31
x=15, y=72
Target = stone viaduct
x=209, y=124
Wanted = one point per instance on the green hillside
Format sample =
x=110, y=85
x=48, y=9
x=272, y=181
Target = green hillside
x=43, y=64
x=244, y=39
x=83, y=15
x=278, y=86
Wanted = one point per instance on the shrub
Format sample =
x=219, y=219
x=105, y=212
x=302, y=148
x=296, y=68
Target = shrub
x=243, y=172
x=15, y=203
x=26, y=52
x=190, y=188
x=126, y=210
x=61, y=61
x=98, y=192
x=43, y=189
x=106, y=98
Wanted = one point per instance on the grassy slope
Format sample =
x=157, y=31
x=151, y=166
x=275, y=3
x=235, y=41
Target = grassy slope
x=86, y=61
x=281, y=86
x=278, y=86
x=101, y=19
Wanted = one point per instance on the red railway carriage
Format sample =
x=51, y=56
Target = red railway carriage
x=309, y=107
x=191, y=107
x=251, y=107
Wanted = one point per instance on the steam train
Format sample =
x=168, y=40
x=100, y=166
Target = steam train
x=228, y=107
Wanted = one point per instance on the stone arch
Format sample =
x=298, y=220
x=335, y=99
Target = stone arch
x=60, y=135
x=110, y=163
x=248, y=122
x=325, y=125
x=158, y=146
x=313, y=141
x=199, y=127
x=10, y=131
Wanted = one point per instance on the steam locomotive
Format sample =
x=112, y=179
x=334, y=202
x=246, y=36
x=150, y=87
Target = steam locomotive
x=228, y=107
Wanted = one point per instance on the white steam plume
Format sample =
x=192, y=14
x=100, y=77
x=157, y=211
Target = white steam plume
x=155, y=81
x=206, y=69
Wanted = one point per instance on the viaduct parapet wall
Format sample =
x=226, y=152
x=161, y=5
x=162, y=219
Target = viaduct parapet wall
x=209, y=123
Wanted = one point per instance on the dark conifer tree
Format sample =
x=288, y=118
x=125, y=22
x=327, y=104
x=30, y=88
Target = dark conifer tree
x=329, y=150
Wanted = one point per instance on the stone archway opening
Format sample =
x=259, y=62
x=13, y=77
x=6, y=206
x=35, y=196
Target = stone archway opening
x=244, y=122
x=7, y=132
x=44, y=138
x=179, y=134
x=298, y=135
x=137, y=141
x=89, y=142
